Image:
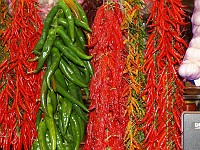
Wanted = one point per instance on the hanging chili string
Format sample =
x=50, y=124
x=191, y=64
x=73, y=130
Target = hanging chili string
x=5, y=21
x=107, y=123
x=135, y=35
x=164, y=88
x=18, y=97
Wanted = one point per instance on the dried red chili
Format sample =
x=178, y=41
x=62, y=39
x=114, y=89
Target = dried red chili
x=106, y=125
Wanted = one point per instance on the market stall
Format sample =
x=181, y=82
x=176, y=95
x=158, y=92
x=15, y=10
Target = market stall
x=97, y=75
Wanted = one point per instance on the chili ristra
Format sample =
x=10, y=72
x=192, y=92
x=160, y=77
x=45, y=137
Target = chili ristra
x=134, y=35
x=20, y=92
x=164, y=89
x=107, y=123
x=67, y=74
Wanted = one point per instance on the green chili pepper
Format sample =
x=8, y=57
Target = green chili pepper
x=63, y=22
x=49, y=61
x=81, y=12
x=68, y=136
x=69, y=97
x=77, y=42
x=68, y=14
x=80, y=35
x=35, y=145
x=54, y=102
x=67, y=52
x=73, y=92
x=42, y=135
x=43, y=95
x=50, y=123
x=76, y=132
x=66, y=108
x=89, y=67
x=82, y=24
x=79, y=52
x=76, y=70
x=85, y=73
x=47, y=24
x=80, y=112
x=68, y=146
x=38, y=118
x=48, y=140
x=60, y=14
x=55, y=62
x=60, y=78
x=59, y=140
x=87, y=93
x=68, y=72
x=59, y=119
x=82, y=126
x=46, y=50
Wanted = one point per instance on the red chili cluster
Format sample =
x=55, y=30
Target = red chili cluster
x=19, y=91
x=164, y=88
x=107, y=124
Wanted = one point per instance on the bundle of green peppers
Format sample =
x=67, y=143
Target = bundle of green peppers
x=61, y=53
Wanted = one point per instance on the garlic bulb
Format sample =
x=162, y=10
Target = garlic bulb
x=197, y=5
x=190, y=71
x=192, y=54
x=190, y=67
x=195, y=42
x=195, y=30
x=196, y=17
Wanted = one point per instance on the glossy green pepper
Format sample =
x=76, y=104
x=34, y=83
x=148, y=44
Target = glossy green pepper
x=50, y=123
x=76, y=131
x=47, y=24
x=46, y=50
x=67, y=52
x=68, y=14
x=65, y=94
x=35, y=145
x=70, y=75
x=66, y=110
x=42, y=135
x=79, y=52
x=60, y=78
x=55, y=59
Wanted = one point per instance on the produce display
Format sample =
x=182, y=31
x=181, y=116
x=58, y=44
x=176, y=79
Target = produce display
x=94, y=74
x=190, y=68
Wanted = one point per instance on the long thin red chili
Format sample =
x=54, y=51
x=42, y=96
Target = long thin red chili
x=18, y=100
x=164, y=89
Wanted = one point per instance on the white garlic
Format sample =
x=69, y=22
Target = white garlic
x=195, y=19
x=192, y=54
x=190, y=71
x=195, y=42
x=197, y=4
x=195, y=30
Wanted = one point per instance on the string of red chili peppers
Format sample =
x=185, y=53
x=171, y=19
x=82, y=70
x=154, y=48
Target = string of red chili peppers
x=164, y=89
x=107, y=124
x=18, y=104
